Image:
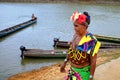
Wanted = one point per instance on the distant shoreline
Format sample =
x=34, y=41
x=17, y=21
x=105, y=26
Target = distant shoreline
x=113, y=2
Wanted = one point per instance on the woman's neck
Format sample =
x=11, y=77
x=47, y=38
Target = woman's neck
x=83, y=34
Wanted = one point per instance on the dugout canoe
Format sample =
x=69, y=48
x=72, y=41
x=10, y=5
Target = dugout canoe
x=108, y=39
x=39, y=53
x=45, y=54
x=104, y=45
x=15, y=28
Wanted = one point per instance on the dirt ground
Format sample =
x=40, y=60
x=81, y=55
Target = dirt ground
x=108, y=68
x=108, y=71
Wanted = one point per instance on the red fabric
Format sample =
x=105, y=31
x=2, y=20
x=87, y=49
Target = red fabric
x=81, y=18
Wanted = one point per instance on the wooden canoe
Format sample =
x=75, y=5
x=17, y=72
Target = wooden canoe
x=38, y=53
x=108, y=39
x=15, y=28
x=64, y=44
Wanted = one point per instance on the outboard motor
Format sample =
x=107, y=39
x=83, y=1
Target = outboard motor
x=55, y=41
x=22, y=48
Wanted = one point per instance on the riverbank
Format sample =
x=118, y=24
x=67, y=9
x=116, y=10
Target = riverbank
x=104, y=65
x=113, y=2
x=108, y=71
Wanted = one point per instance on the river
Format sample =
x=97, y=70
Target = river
x=53, y=21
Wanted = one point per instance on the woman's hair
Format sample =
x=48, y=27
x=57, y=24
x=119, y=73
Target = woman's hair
x=88, y=17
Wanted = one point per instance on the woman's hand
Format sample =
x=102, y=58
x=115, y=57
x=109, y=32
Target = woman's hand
x=62, y=68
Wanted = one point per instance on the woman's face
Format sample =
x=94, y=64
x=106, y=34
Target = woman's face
x=79, y=29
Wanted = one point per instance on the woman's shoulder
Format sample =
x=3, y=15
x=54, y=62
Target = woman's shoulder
x=92, y=36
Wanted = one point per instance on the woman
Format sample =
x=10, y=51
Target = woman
x=82, y=53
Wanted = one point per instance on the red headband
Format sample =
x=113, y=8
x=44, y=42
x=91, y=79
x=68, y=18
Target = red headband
x=81, y=18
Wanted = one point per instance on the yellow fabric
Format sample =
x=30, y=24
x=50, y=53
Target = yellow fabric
x=87, y=39
x=97, y=46
x=75, y=56
x=84, y=39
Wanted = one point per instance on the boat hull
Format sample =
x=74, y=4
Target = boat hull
x=105, y=43
x=38, y=53
x=15, y=28
x=108, y=39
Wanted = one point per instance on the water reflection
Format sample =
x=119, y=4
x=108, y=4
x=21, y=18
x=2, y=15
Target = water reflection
x=27, y=61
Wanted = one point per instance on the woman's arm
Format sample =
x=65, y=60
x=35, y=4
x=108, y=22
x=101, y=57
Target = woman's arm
x=62, y=68
x=93, y=60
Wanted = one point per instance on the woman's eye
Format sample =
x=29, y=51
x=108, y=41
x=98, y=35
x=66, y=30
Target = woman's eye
x=76, y=25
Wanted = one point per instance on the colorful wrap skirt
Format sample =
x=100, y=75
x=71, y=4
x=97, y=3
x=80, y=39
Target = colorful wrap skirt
x=83, y=72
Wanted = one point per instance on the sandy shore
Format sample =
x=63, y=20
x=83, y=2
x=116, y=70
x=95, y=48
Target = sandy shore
x=108, y=68
x=108, y=71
